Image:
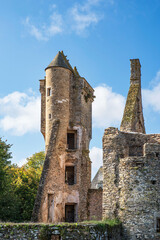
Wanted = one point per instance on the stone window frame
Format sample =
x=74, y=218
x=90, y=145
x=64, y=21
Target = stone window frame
x=49, y=91
x=74, y=131
x=49, y=195
x=75, y=210
x=50, y=116
x=156, y=220
x=75, y=173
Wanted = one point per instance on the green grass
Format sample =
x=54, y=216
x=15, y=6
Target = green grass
x=110, y=222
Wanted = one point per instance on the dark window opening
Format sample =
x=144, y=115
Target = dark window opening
x=158, y=225
x=69, y=213
x=153, y=182
x=49, y=116
x=136, y=151
x=48, y=91
x=69, y=175
x=71, y=140
x=157, y=155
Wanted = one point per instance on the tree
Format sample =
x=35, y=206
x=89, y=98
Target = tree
x=20, y=188
x=36, y=161
x=5, y=156
x=8, y=201
x=25, y=183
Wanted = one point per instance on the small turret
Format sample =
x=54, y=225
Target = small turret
x=60, y=61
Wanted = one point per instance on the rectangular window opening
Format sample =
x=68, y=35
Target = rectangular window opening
x=158, y=225
x=71, y=140
x=70, y=213
x=136, y=150
x=49, y=116
x=70, y=175
x=48, y=92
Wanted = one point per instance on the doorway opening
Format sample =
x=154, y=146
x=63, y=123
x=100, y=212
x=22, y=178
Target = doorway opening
x=70, y=213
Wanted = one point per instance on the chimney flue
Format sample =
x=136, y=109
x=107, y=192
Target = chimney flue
x=135, y=71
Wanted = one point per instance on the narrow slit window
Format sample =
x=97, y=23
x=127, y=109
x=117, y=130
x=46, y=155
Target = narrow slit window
x=71, y=140
x=48, y=92
x=70, y=175
x=50, y=116
x=158, y=225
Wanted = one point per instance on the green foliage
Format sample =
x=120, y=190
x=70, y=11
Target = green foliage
x=5, y=162
x=10, y=206
x=21, y=184
x=36, y=161
x=45, y=233
x=109, y=222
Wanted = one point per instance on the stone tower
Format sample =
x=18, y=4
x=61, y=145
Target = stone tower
x=66, y=109
x=131, y=169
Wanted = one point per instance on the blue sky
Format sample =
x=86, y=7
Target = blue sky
x=99, y=37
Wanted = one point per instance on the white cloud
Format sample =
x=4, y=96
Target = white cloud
x=84, y=15
x=83, y=19
x=45, y=31
x=151, y=97
x=77, y=18
x=20, y=113
x=108, y=107
x=55, y=26
x=34, y=31
x=96, y=158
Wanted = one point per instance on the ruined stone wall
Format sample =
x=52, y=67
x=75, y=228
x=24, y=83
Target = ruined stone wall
x=60, y=232
x=95, y=204
x=131, y=186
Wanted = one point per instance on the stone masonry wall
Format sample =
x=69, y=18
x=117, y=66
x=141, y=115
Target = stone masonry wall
x=59, y=232
x=95, y=204
x=131, y=186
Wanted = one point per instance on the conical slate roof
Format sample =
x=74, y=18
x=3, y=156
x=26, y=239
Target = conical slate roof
x=60, y=61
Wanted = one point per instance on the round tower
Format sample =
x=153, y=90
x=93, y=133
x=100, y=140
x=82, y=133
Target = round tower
x=66, y=100
x=58, y=76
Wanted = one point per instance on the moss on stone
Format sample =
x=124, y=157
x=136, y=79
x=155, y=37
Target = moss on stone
x=129, y=111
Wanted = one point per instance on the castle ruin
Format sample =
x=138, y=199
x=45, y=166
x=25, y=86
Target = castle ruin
x=131, y=168
x=131, y=158
x=66, y=123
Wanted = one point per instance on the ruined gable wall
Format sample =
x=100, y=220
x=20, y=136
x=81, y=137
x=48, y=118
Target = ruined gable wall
x=133, y=120
x=132, y=181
